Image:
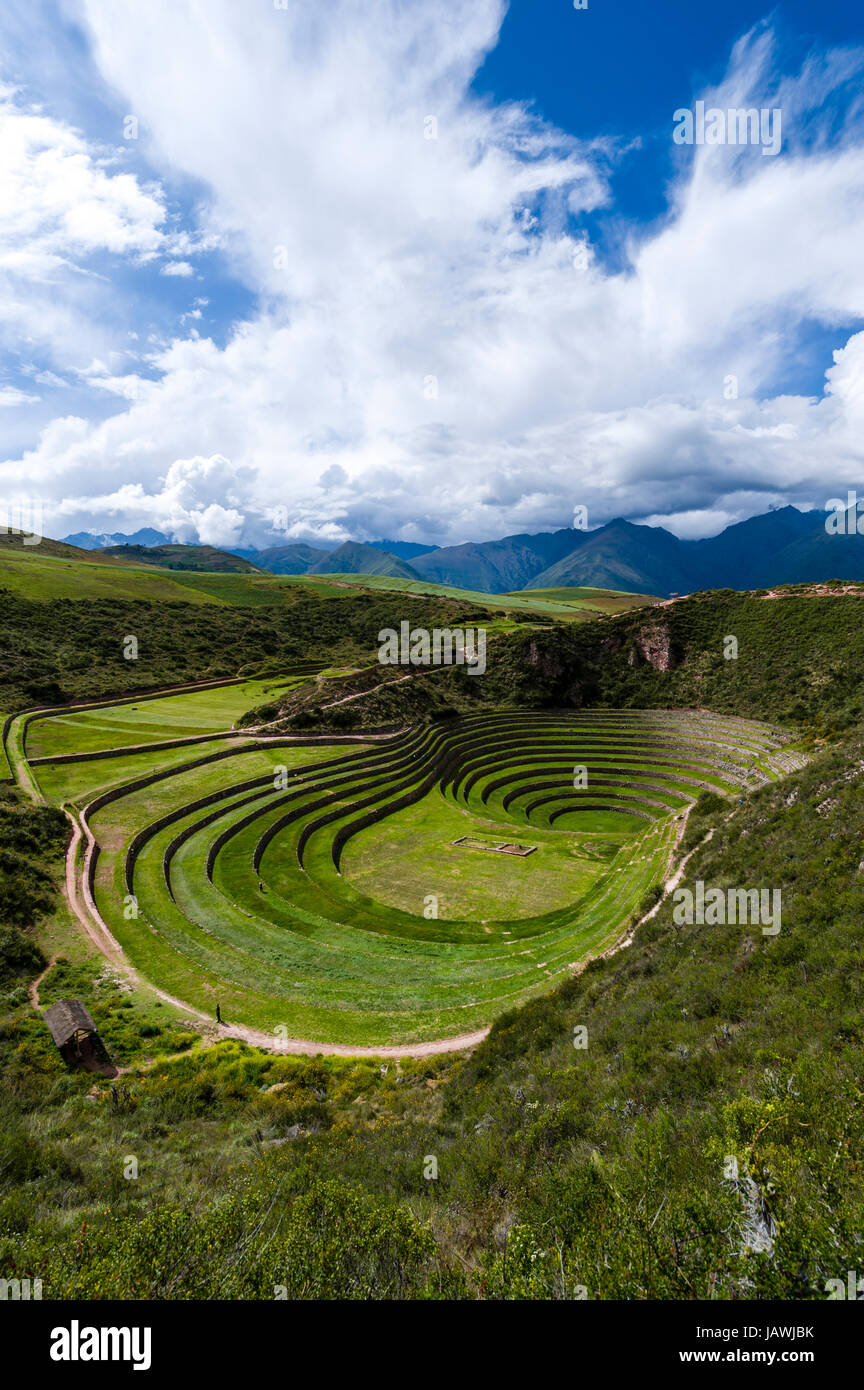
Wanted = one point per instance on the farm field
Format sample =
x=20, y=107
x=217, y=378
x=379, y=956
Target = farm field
x=590, y=601
x=141, y=721
x=252, y=590
x=568, y=605
x=314, y=888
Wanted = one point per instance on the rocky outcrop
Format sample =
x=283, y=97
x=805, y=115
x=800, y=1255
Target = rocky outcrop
x=547, y=662
x=653, y=644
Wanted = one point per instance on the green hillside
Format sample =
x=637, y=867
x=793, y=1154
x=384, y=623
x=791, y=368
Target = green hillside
x=53, y=570
x=353, y=558
x=565, y=604
x=799, y=661
x=600, y=1170
x=797, y=658
x=590, y=601
x=288, y=559
x=184, y=557
x=47, y=576
x=622, y=556
x=51, y=653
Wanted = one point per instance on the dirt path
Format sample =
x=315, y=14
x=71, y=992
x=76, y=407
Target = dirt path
x=672, y=883
x=669, y=887
x=33, y=987
x=325, y=738
x=371, y=691
x=820, y=591
x=312, y=1049
x=298, y=1047
x=103, y=939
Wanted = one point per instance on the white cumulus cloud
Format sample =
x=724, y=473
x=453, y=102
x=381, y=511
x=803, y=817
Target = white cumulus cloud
x=437, y=351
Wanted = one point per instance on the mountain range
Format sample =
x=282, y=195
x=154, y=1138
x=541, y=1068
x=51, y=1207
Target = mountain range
x=784, y=546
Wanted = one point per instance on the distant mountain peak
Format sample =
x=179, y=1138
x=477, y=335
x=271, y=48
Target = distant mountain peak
x=781, y=546
x=355, y=557
x=403, y=550
x=92, y=540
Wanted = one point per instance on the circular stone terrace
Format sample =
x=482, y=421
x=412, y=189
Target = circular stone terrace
x=342, y=890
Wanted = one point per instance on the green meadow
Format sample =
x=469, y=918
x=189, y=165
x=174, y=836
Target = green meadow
x=149, y=721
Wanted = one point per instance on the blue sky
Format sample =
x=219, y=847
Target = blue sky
x=615, y=67
x=618, y=69
x=284, y=305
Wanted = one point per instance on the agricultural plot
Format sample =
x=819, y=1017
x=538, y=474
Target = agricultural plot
x=321, y=888
x=131, y=722
x=590, y=601
x=568, y=605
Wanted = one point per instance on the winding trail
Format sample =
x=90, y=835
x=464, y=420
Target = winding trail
x=33, y=987
x=669, y=886
x=360, y=693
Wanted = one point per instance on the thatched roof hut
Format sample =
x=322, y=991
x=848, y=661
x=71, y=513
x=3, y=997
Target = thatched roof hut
x=69, y=1022
x=78, y=1042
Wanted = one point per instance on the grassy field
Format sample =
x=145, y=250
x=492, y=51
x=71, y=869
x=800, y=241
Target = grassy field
x=565, y=604
x=149, y=721
x=256, y=590
x=317, y=888
x=77, y=783
x=37, y=574
x=417, y=857
x=53, y=571
x=40, y=576
x=591, y=601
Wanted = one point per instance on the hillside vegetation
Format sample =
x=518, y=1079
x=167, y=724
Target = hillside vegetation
x=200, y=575
x=52, y=653
x=797, y=659
x=800, y=661
x=184, y=557
x=529, y=1168
x=558, y=1169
